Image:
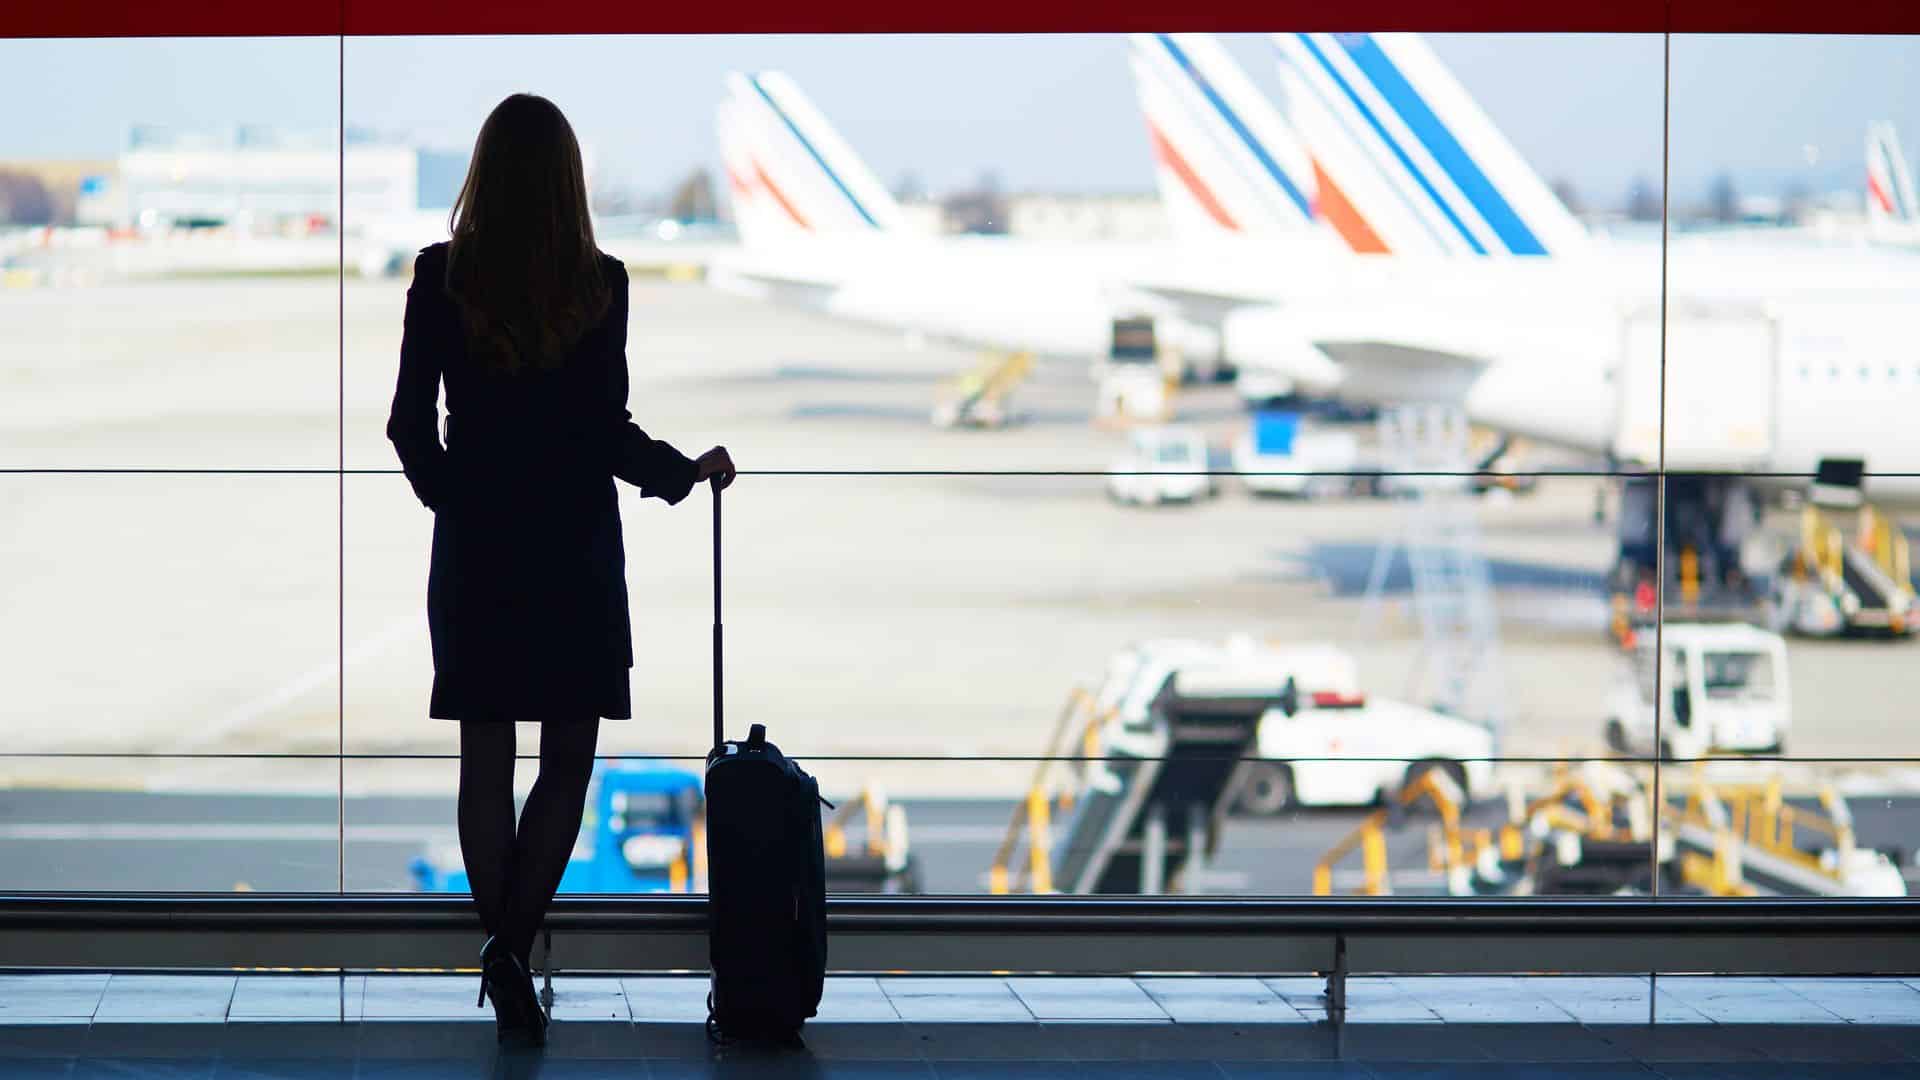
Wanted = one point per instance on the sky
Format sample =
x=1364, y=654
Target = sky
x=1040, y=112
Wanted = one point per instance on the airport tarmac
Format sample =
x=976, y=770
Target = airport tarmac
x=940, y=614
x=69, y=840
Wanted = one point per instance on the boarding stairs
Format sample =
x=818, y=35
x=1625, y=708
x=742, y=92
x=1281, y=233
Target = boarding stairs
x=1430, y=451
x=1742, y=838
x=1142, y=808
x=1590, y=831
x=1865, y=571
x=982, y=396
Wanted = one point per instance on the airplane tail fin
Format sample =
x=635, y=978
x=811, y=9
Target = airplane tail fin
x=1890, y=197
x=1409, y=157
x=1226, y=162
x=789, y=173
x=759, y=208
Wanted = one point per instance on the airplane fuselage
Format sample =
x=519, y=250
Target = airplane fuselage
x=1771, y=360
x=985, y=292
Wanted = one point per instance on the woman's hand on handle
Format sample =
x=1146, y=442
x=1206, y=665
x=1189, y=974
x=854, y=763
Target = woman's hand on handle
x=714, y=465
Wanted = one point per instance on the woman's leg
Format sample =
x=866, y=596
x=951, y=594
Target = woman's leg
x=549, y=824
x=486, y=817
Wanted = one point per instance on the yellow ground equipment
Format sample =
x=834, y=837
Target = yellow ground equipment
x=881, y=861
x=1370, y=839
x=1837, y=580
x=1583, y=835
x=1592, y=833
x=1737, y=838
x=980, y=398
x=1076, y=733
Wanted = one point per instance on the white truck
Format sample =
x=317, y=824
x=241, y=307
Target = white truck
x=1276, y=455
x=1390, y=743
x=1162, y=464
x=1725, y=690
x=1329, y=745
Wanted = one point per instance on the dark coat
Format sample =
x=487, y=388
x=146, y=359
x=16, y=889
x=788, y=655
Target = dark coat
x=527, y=595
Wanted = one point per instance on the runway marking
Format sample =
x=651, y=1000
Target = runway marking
x=955, y=834
x=388, y=833
x=246, y=715
x=127, y=830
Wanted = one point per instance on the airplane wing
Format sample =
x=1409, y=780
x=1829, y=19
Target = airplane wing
x=1207, y=303
x=796, y=283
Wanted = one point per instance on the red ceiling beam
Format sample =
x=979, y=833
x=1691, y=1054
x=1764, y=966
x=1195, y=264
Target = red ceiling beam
x=232, y=18
x=169, y=18
x=999, y=16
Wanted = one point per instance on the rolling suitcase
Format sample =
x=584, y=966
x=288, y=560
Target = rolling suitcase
x=766, y=877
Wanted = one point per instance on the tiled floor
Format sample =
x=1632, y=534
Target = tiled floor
x=425, y=1027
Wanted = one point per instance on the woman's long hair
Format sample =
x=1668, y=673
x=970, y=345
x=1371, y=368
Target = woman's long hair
x=523, y=267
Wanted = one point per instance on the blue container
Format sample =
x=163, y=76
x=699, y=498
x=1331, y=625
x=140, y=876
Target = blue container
x=1274, y=431
x=639, y=824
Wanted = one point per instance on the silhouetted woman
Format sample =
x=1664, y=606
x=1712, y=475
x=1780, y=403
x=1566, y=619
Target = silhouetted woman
x=525, y=321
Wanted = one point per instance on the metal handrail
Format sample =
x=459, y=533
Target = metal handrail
x=1333, y=937
x=1052, y=915
x=1370, y=836
x=1823, y=546
x=1888, y=545
x=1033, y=815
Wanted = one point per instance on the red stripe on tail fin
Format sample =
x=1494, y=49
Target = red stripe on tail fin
x=773, y=189
x=1164, y=152
x=1332, y=205
x=1878, y=194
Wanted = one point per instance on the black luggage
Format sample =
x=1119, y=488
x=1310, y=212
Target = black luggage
x=766, y=877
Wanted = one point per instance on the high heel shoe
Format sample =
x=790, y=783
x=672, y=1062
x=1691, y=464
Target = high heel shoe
x=516, y=1006
x=502, y=1025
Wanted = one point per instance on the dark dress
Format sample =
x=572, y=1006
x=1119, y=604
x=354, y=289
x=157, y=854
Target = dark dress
x=527, y=595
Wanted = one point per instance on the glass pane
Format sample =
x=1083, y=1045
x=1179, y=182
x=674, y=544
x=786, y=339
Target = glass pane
x=389, y=660
x=1483, y=257
x=971, y=827
x=131, y=824
x=939, y=624
x=388, y=675
x=933, y=636
x=1792, y=267
x=171, y=613
x=951, y=616
x=171, y=259
x=797, y=380
x=1769, y=828
x=799, y=295
x=1792, y=273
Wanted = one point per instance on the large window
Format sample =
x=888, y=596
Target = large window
x=1377, y=463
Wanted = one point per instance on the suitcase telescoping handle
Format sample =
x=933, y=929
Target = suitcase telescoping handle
x=719, y=724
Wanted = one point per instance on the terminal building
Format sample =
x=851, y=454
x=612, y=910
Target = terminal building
x=1095, y=217
x=265, y=180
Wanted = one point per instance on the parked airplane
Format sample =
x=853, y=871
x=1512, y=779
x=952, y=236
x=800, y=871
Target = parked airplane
x=1893, y=214
x=818, y=230
x=1229, y=168
x=1496, y=299
x=791, y=174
